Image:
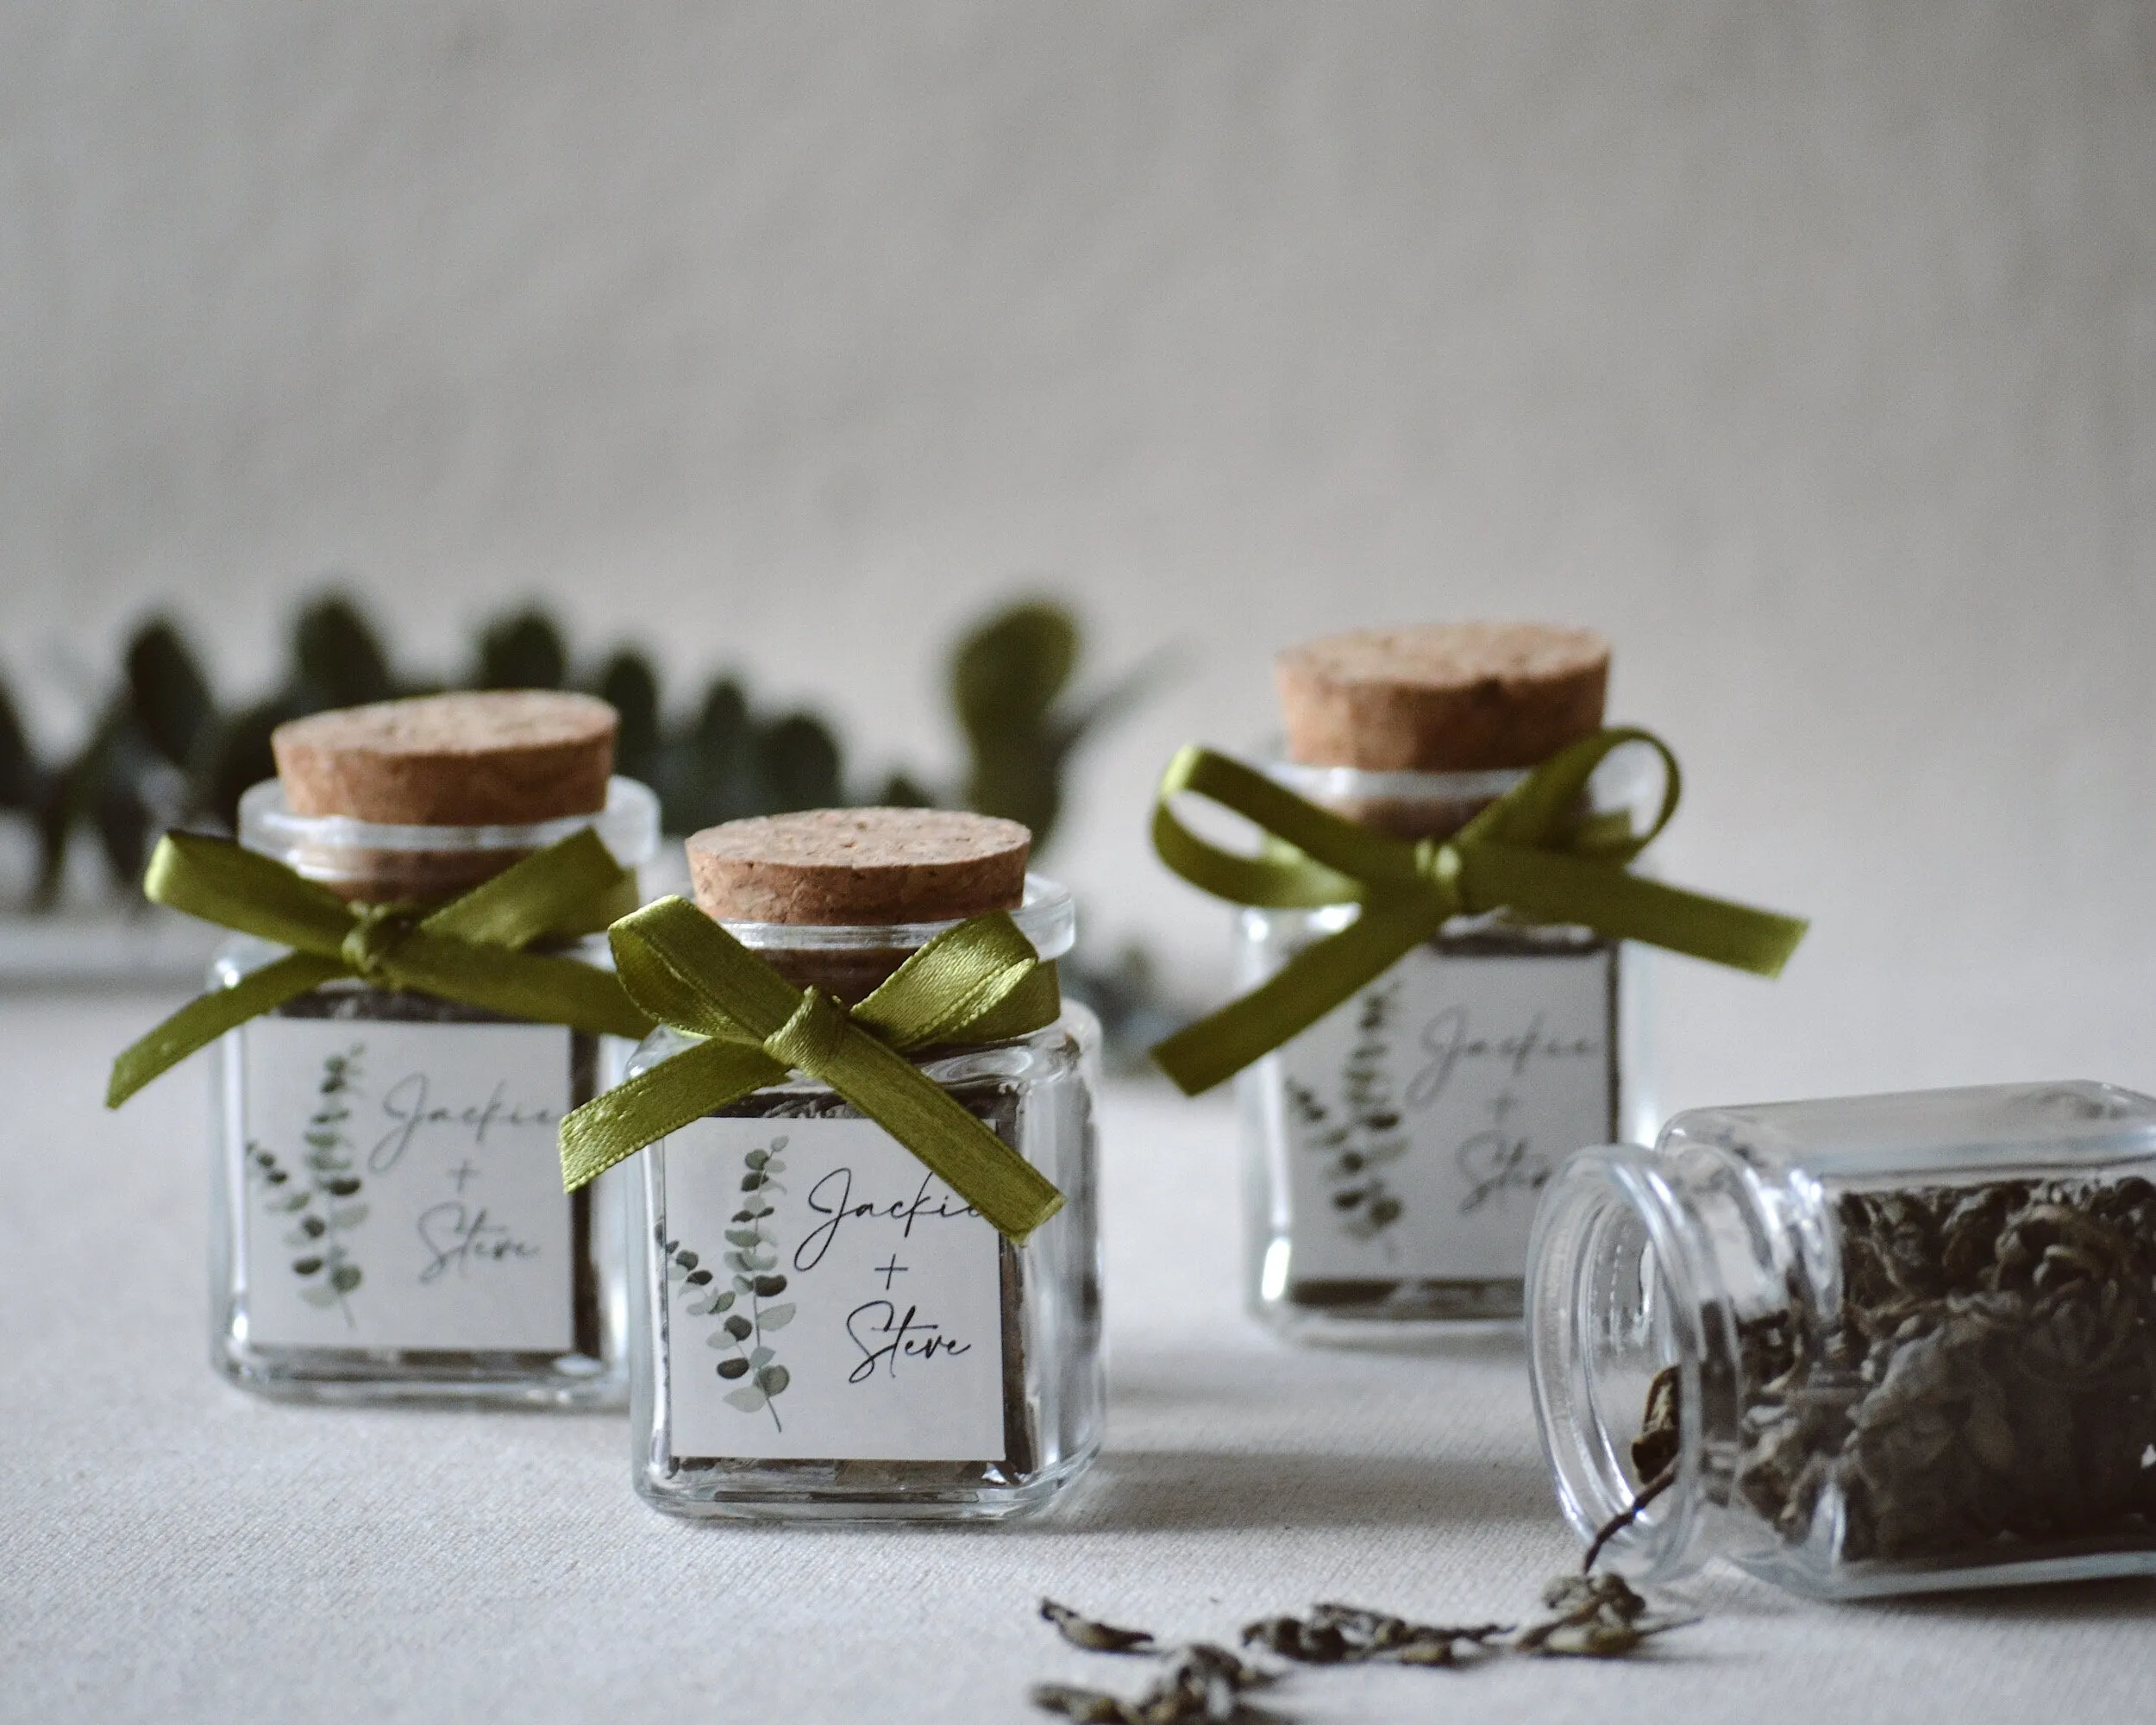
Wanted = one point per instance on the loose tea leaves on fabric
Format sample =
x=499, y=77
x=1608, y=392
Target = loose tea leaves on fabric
x=1597, y=1616
x=1342, y=1635
x=1985, y=1383
x=1203, y=1685
x=1096, y=1638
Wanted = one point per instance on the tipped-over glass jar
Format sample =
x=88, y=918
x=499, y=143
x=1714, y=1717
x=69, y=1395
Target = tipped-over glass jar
x=818, y=1326
x=390, y=1223
x=1872, y=1345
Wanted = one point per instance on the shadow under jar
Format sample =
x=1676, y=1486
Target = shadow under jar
x=390, y=1223
x=1394, y=1152
x=1879, y=1344
x=820, y=1328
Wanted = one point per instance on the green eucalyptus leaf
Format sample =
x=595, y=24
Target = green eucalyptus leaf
x=337, y=659
x=749, y=1399
x=799, y=761
x=167, y=693
x=775, y=1317
x=523, y=650
x=630, y=687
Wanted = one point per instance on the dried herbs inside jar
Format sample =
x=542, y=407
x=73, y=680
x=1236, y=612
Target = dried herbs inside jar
x=1988, y=1383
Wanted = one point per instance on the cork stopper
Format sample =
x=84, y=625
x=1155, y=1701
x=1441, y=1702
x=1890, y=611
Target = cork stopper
x=1443, y=698
x=501, y=758
x=859, y=867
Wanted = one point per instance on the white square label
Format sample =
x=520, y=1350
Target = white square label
x=1422, y=1118
x=404, y=1185
x=827, y=1298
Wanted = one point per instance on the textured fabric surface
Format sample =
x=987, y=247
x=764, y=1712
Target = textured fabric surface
x=173, y=1550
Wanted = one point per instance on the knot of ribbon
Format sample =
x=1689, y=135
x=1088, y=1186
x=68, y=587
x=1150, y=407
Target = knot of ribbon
x=368, y=946
x=469, y=949
x=980, y=982
x=1538, y=852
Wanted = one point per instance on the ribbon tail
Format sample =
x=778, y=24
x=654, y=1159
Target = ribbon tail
x=203, y=1020
x=956, y=1146
x=641, y=1110
x=1305, y=988
x=1554, y=888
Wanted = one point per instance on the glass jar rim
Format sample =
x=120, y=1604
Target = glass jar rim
x=1047, y=916
x=1594, y=1195
x=628, y=825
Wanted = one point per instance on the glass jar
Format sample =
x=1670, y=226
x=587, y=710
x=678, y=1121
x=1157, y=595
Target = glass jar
x=1394, y=1152
x=1871, y=1346
x=817, y=1327
x=390, y=1224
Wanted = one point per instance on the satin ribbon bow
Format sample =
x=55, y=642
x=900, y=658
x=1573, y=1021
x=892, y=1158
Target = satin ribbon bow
x=469, y=949
x=980, y=982
x=1535, y=851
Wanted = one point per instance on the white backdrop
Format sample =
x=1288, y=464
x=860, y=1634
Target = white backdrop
x=1809, y=350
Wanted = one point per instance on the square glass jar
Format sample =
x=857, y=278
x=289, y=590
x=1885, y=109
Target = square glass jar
x=1870, y=1346
x=920, y=1366
x=388, y=1224
x=1394, y=1151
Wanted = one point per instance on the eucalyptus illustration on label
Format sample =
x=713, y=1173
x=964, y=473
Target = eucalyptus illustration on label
x=325, y=1210
x=752, y=1261
x=1361, y=1132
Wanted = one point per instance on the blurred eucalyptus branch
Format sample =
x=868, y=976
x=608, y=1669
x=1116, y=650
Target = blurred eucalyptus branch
x=163, y=751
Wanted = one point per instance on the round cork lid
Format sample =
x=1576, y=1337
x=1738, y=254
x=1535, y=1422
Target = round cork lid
x=859, y=867
x=498, y=757
x=1443, y=697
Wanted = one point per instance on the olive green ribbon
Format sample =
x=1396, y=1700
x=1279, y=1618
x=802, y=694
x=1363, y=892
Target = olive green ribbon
x=980, y=982
x=469, y=949
x=1537, y=851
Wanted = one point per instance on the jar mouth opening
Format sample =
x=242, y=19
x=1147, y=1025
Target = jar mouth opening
x=1610, y=1308
x=333, y=846
x=1047, y=916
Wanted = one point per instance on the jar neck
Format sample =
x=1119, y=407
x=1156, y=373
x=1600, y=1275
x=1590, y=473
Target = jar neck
x=848, y=960
x=1642, y=1266
x=1403, y=805
x=380, y=862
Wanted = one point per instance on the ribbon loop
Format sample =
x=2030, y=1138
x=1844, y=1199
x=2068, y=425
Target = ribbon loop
x=1538, y=852
x=811, y=1039
x=469, y=949
x=981, y=981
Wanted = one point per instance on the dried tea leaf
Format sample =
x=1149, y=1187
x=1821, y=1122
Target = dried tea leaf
x=1202, y=1685
x=1347, y=1635
x=1087, y=1706
x=1096, y=1638
x=1597, y=1616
